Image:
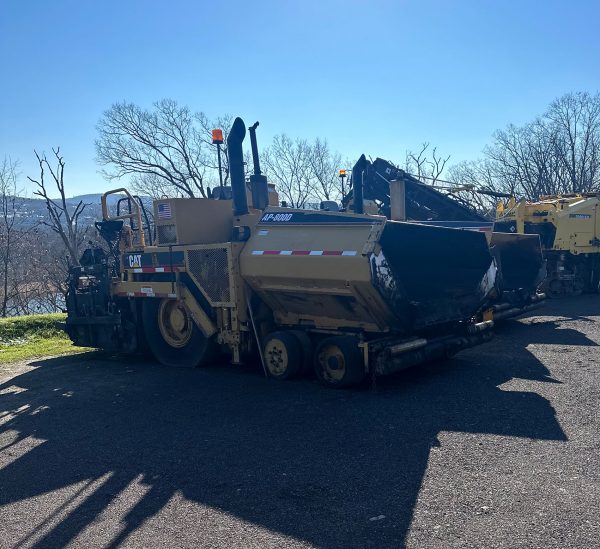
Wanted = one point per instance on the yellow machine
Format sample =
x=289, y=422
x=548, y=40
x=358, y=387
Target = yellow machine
x=348, y=294
x=569, y=230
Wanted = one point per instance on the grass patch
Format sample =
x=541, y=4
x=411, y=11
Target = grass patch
x=33, y=336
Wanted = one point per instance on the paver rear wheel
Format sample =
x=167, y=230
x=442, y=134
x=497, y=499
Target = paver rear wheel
x=578, y=286
x=307, y=351
x=282, y=352
x=173, y=336
x=554, y=288
x=338, y=362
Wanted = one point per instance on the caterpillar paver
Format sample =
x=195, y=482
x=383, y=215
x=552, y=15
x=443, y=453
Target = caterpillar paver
x=350, y=294
x=569, y=229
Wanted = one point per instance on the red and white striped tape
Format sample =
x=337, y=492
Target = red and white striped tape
x=145, y=294
x=305, y=252
x=154, y=269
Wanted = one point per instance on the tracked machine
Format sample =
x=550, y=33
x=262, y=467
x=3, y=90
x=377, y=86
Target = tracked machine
x=569, y=229
x=390, y=191
x=349, y=294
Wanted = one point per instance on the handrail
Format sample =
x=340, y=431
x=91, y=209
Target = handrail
x=144, y=214
x=137, y=214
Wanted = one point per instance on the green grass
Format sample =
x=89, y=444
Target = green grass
x=32, y=336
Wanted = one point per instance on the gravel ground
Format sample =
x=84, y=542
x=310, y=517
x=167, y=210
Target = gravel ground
x=498, y=448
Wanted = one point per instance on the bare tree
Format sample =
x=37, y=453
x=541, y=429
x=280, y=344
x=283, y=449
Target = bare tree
x=32, y=261
x=62, y=219
x=167, y=150
x=304, y=173
x=574, y=130
x=474, y=182
x=559, y=152
x=288, y=165
x=523, y=160
x=426, y=166
x=38, y=269
x=324, y=169
x=9, y=207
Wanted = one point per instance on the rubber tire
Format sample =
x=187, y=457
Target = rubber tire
x=307, y=350
x=578, y=287
x=553, y=288
x=294, y=353
x=354, y=368
x=199, y=351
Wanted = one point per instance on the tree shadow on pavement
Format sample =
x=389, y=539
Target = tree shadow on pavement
x=296, y=458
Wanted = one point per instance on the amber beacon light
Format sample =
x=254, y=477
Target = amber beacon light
x=217, y=137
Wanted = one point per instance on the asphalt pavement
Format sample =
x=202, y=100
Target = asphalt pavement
x=498, y=447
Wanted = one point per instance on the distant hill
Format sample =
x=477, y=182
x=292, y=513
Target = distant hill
x=33, y=210
x=95, y=199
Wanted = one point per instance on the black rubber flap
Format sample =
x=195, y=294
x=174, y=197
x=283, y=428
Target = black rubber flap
x=434, y=261
x=520, y=260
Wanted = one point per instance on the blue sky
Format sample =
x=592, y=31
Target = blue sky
x=376, y=77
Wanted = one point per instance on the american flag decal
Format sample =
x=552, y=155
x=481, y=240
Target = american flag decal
x=164, y=210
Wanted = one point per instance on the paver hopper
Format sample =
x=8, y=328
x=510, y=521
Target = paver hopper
x=345, y=271
x=519, y=259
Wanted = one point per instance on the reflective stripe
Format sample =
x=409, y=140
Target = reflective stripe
x=146, y=294
x=346, y=253
x=154, y=269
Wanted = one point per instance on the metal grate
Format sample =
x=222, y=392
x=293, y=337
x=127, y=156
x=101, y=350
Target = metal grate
x=211, y=270
x=166, y=234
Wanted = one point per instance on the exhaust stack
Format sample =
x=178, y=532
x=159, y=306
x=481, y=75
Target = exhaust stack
x=358, y=172
x=236, y=166
x=258, y=182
